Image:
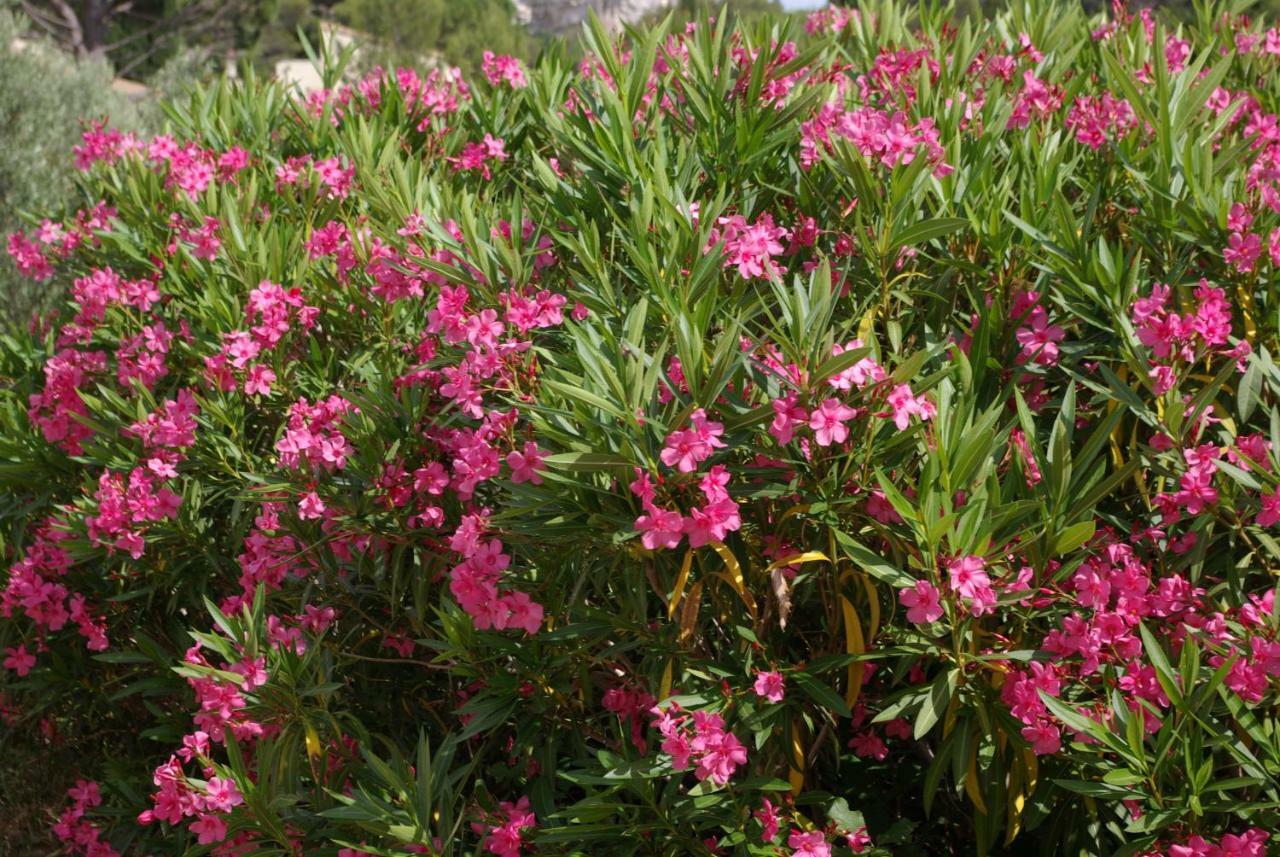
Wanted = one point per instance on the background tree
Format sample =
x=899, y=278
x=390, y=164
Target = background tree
x=138, y=35
x=414, y=32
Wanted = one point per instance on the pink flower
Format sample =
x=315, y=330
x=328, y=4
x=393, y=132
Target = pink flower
x=751, y=248
x=812, y=844
x=787, y=414
x=712, y=522
x=259, y=380
x=922, y=601
x=335, y=177
x=1044, y=737
x=859, y=840
x=767, y=815
x=1196, y=846
x=687, y=448
x=221, y=795
x=660, y=528
x=19, y=660
x=499, y=69
x=209, y=829
x=869, y=745
x=828, y=422
x=905, y=404
x=526, y=464
x=1270, y=513
x=1251, y=843
x=523, y=612
x=1095, y=119
x=1242, y=251
x=311, y=507
x=721, y=755
x=1039, y=339
x=769, y=686
x=1238, y=218
x=969, y=580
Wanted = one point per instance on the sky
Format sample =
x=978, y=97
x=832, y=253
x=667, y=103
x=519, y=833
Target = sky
x=802, y=4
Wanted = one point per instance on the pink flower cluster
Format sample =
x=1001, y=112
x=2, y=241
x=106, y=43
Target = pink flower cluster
x=503, y=69
x=887, y=137
x=1099, y=119
x=1173, y=337
x=313, y=438
x=223, y=708
x=750, y=247
x=1251, y=843
x=1036, y=101
x=272, y=312
x=699, y=740
x=1039, y=339
x=710, y=522
x=32, y=590
x=34, y=255
x=811, y=843
x=631, y=705
x=123, y=506
x=75, y=831
x=477, y=157
x=505, y=837
x=769, y=686
x=429, y=101
x=1118, y=589
x=828, y=421
x=474, y=583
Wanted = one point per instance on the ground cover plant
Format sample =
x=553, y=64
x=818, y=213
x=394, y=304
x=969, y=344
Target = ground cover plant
x=852, y=436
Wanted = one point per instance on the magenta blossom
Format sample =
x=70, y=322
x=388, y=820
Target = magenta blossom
x=828, y=422
x=904, y=405
x=769, y=686
x=922, y=602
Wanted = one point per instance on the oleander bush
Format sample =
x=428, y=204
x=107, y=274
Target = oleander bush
x=852, y=437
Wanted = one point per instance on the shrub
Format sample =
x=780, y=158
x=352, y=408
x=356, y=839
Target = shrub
x=43, y=97
x=857, y=438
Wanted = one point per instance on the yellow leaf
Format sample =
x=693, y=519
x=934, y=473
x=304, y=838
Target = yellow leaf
x=734, y=576
x=689, y=613
x=794, y=510
x=1117, y=433
x=797, y=761
x=1033, y=769
x=971, y=787
x=313, y=741
x=867, y=326
x=681, y=580
x=873, y=602
x=949, y=719
x=1016, y=801
x=854, y=645
x=798, y=559
x=664, y=688
x=1247, y=309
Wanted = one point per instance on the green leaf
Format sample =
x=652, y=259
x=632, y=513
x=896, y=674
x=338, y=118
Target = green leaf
x=587, y=462
x=935, y=704
x=927, y=230
x=821, y=693
x=872, y=563
x=1073, y=537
